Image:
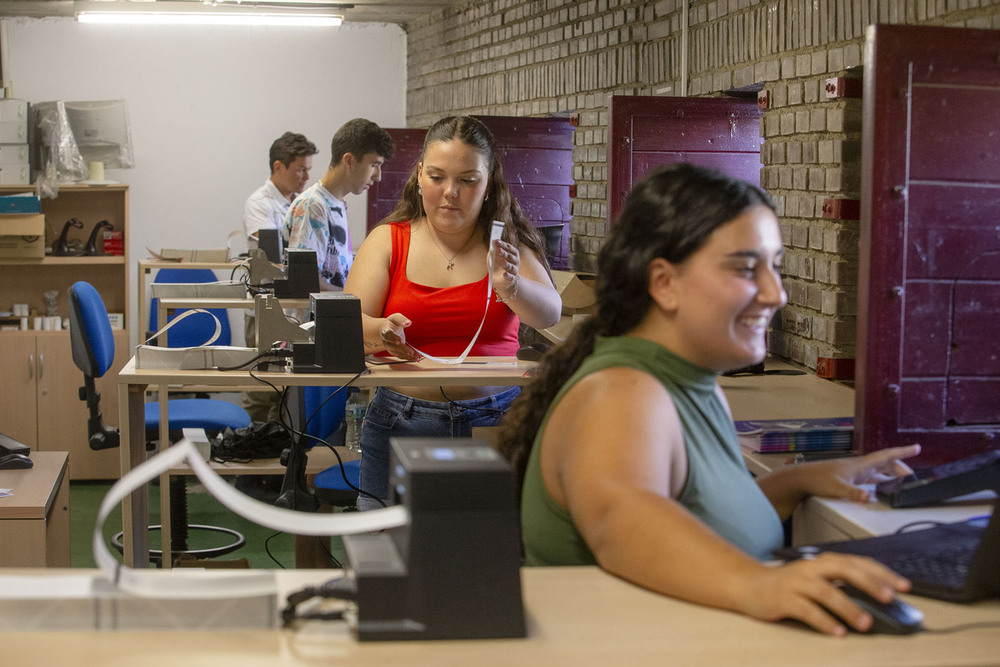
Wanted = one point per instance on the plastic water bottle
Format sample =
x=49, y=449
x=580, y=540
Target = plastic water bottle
x=354, y=416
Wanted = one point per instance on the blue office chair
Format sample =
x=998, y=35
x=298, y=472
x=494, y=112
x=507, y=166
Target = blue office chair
x=197, y=328
x=329, y=485
x=93, y=348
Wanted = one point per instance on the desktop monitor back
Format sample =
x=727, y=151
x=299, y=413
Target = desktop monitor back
x=928, y=353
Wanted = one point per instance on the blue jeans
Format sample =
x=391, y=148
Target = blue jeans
x=391, y=414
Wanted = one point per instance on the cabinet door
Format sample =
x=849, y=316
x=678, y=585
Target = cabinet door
x=62, y=416
x=17, y=388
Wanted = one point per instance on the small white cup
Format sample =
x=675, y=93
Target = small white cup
x=96, y=171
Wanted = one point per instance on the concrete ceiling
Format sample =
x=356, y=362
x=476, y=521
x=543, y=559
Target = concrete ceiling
x=400, y=12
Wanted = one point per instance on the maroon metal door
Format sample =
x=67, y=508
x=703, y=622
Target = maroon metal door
x=537, y=156
x=929, y=283
x=645, y=132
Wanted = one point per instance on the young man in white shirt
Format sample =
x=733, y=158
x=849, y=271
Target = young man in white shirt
x=290, y=161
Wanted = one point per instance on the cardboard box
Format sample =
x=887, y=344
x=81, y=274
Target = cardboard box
x=22, y=236
x=209, y=255
x=578, y=302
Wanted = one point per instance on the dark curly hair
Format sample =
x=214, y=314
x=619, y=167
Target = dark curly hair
x=499, y=203
x=670, y=213
x=359, y=137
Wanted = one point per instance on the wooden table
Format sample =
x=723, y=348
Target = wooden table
x=576, y=617
x=34, y=522
x=133, y=383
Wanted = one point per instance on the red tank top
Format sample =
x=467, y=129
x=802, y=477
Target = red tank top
x=444, y=319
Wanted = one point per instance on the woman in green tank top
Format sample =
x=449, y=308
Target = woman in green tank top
x=625, y=445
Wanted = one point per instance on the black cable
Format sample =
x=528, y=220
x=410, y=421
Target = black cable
x=962, y=627
x=267, y=549
x=495, y=412
x=343, y=472
x=339, y=589
x=274, y=353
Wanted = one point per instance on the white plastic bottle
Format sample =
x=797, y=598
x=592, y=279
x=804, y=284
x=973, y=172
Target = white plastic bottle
x=354, y=417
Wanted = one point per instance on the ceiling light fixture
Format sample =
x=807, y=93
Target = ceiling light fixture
x=194, y=13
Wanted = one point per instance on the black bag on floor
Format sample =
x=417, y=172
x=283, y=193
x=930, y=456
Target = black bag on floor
x=260, y=440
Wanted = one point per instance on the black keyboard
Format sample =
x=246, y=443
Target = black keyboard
x=948, y=567
x=933, y=484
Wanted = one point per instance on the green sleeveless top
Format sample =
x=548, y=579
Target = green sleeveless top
x=719, y=490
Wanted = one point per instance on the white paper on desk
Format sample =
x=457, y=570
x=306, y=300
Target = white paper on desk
x=145, y=582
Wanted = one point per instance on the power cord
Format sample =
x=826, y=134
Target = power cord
x=340, y=588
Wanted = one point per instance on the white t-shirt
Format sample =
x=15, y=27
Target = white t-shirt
x=264, y=209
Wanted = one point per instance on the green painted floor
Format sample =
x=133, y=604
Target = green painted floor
x=264, y=548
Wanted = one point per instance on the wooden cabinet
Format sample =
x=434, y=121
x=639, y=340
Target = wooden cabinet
x=34, y=522
x=39, y=383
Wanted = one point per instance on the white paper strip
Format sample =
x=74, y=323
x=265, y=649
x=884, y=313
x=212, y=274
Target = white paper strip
x=495, y=232
x=152, y=583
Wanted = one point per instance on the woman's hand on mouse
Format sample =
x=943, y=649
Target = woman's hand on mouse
x=805, y=590
x=394, y=337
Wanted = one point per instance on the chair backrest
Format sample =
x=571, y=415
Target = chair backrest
x=91, y=339
x=324, y=422
x=197, y=328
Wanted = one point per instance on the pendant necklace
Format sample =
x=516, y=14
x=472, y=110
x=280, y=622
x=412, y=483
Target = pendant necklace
x=450, y=266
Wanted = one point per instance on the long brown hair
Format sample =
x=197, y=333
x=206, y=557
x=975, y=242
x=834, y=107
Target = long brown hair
x=670, y=213
x=499, y=203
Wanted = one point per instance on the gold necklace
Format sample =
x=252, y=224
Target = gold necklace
x=450, y=266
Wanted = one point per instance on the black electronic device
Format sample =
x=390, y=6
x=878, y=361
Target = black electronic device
x=956, y=561
x=453, y=571
x=337, y=344
x=269, y=240
x=91, y=247
x=15, y=462
x=9, y=445
x=61, y=248
x=888, y=618
x=933, y=484
x=301, y=275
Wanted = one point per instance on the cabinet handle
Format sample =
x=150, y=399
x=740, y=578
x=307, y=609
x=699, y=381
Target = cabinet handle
x=41, y=365
x=31, y=366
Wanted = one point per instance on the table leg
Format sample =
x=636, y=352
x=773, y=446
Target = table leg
x=135, y=509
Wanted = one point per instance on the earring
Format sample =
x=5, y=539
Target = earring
x=420, y=190
x=486, y=198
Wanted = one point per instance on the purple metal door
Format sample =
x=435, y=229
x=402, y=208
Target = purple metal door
x=645, y=132
x=537, y=156
x=929, y=284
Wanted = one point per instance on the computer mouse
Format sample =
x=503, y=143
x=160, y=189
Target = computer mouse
x=533, y=351
x=895, y=618
x=15, y=462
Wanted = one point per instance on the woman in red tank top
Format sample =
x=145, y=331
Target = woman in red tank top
x=423, y=281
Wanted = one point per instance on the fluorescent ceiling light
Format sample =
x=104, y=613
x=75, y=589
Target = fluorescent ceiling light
x=194, y=13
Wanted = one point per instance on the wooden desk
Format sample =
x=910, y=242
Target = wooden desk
x=786, y=396
x=34, y=522
x=579, y=617
x=133, y=383
x=829, y=520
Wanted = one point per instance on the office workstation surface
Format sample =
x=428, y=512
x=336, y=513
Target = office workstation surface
x=575, y=616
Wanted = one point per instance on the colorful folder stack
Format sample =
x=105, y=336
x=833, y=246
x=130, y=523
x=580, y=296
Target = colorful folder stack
x=796, y=435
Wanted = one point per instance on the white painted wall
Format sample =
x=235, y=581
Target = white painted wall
x=205, y=103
